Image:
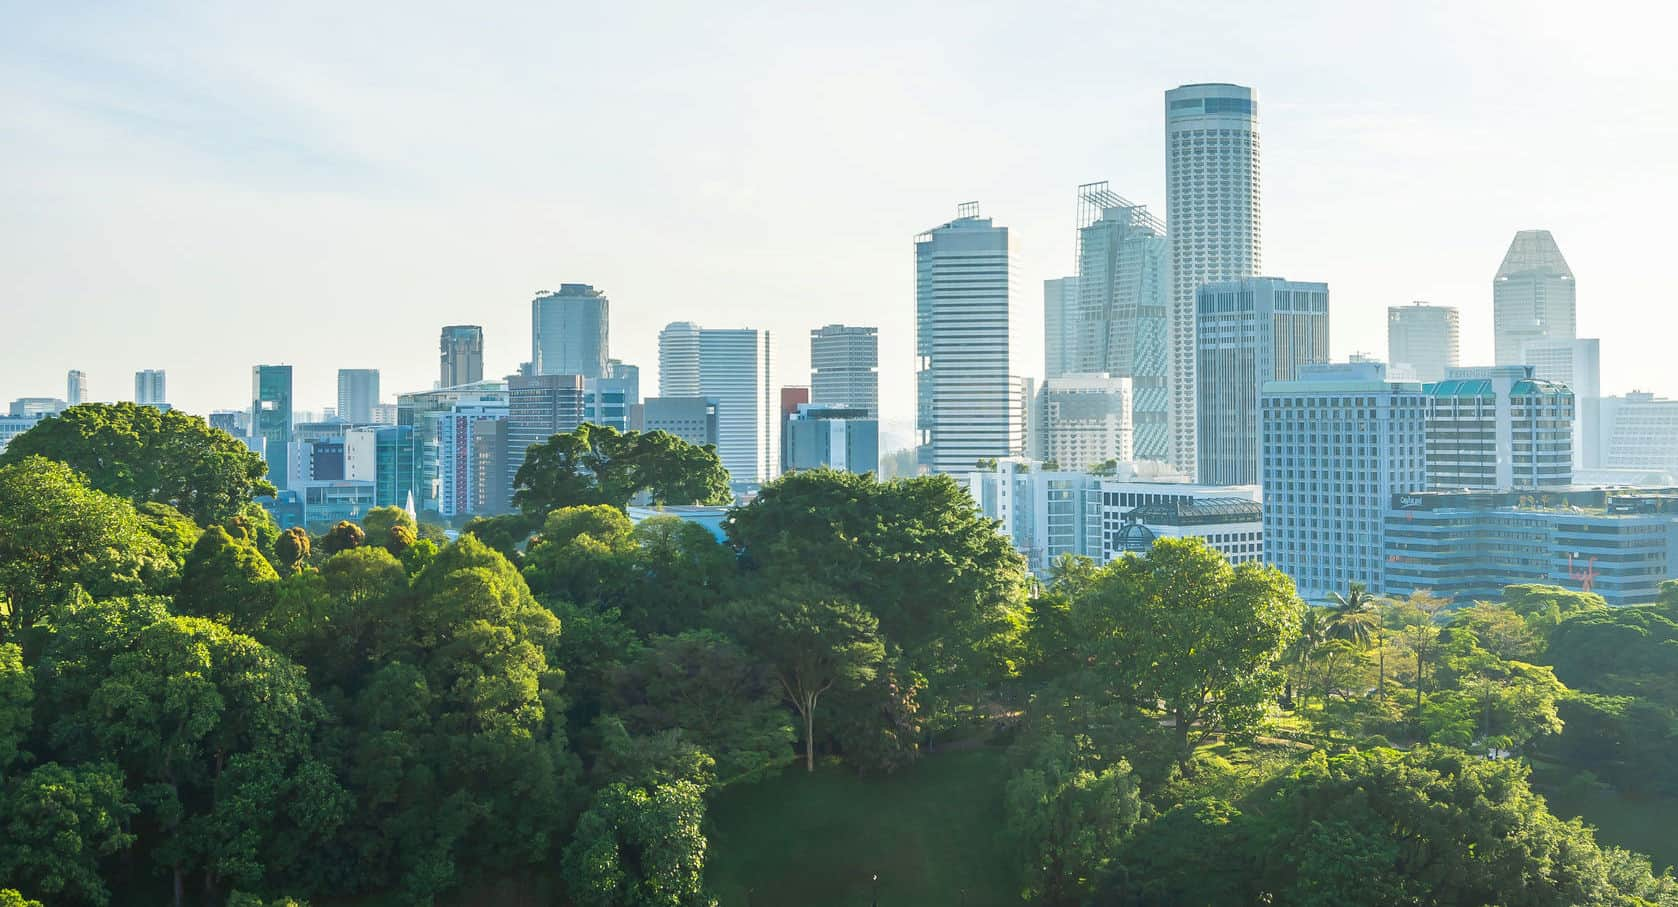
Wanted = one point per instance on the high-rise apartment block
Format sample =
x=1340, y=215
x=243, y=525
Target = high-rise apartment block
x=150, y=387
x=1498, y=428
x=1249, y=332
x=462, y=347
x=270, y=423
x=1533, y=296
x=969, y=407
x=1121, y=318
x=1424, y=338
x=1339, y=442
x=75, y=390
x=471, y=477
x=569, y=331
x=1212, y=204
x=1083, y=420
x=845, y=367
x=358, y=393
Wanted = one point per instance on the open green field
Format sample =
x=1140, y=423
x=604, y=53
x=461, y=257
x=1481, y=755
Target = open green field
x=815, y=840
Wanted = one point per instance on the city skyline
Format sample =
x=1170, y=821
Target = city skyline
x=296, y=163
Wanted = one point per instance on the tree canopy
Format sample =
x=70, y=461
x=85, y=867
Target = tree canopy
x=597, y=464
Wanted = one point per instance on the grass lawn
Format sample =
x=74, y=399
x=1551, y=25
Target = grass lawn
x=814, y=840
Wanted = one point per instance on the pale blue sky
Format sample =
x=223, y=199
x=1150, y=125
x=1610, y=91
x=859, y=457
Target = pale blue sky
x=199, y=187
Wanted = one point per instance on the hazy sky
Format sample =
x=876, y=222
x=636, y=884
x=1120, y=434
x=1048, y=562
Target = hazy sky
x=200, y=187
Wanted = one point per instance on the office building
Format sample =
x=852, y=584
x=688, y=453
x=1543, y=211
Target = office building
x=607, y=401
x=1045, y=514
x=845, y=367
x=463, y=467
x=420, y=410
x=488, y=488
x=1533, y=296
x=568, y=331
x=1250, y=332
x=13, y=425
x=318, y=505
x=1466, y=546
x=314, y=459
x=791, y=399
x=1060, y=326
x=385, y=457
x=1120, y=321
x=1339, y=442
x=1212, y=204
x=236, y=422
x=839, y=437
x=1577, y=364
x=630, y=375
x=35, y=407
x=1498, y=428
x=735, y=370
x=678, y=360
x=539, y=407
x=1638, y=432
x=271, y=416
x=1425, y=339
x=968, y=398
x=75, y=391
x=150, y=387
x=462, y=348
x=1083, y=421
x=1231, y=526
x=693, y=419
x=358, y=393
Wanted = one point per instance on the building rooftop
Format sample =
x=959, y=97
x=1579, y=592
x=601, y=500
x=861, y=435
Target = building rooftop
x=1198, y=511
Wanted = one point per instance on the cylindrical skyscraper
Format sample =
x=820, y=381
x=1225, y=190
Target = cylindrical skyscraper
x=568, y=331
x=1212, y=219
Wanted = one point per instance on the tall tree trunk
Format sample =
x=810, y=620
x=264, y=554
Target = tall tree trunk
x=810, y=737
x=180, y=887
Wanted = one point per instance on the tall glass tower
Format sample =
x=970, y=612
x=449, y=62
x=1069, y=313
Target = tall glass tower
x=271, y=416
x=462, y=347
x=1121, y=321
x=968, y=404
x=358, y=393
x=568, y=331
x=1532, y=296
x=1212, y=207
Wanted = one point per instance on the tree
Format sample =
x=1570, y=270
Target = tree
x=1499, y=630
x=17, y=697
x=227, y=579
x=1545, y=607
x=704, y=684
x=342, y=537
x=1353, y=616
x=58, y=823
x=582, y=555
x=1418, y=620
x=377, y=523
x=56, y=533
x=597, y=464
x=1068, y=824
x=291, y=549
x=144, y=454
x=9, y=897
x=639, y=846
x=1182, y=628
x=812, y=643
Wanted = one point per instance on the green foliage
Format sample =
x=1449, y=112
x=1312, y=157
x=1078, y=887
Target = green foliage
x=342, y=537
x=58, y=823
x=597, y=464
x=506, y=533
x=9, y=897
x=57, y=533
x=227, y=579
x=1545, y=607
x=1067, y=823
x=639, y=847
x=17, y=697
x=291, y=549
x=378, y=522
x=144, y=454
x=173, y=529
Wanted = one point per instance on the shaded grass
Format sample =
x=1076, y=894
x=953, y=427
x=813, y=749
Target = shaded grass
x=814, y=840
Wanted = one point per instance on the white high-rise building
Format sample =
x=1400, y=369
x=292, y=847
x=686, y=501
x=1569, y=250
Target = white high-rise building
x=1123, y=292
x=358, y=393
x=735, y=369
x=1212, y=206
x=1060, y=325
x=1084, y=420
x=150, y=387
x=1577, y=364
x=1638, y=432
x=1533, y=296
x=969, y=407
x=569, y=331
x=845, y=367
x=678, y=360
x=1425, y=338
x=1496, y=428
x=1339, y=442
x=1250, y=332
x=75, y=389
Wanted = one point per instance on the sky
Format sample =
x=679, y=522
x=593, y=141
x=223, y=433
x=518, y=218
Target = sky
x=202, y=187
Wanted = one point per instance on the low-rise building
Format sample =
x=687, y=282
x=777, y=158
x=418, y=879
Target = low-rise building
x=840, y=437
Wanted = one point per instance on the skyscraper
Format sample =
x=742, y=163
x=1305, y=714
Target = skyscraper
x=845, y=367
x=358, y=393
x=271, y=416
x=1532, y=296
x=1249, y=332
x=1498, y=428
x=678, y=360
x=1577, y=364
x=735, y=370
x=1121, y=311
x=968, y=400
x=149, y=387
x=1212, y=205
x=539, y=407
x=1060, y=326
x=1084, y=420
x=568, y=331
x=75, y=391
x=630, y=375
x=462, y=349
x=1424, y=337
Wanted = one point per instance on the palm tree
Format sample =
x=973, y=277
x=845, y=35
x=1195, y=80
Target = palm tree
x=1356, y=618
x=1313, y=632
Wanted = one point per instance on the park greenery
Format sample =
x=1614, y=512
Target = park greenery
x=199, y=708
